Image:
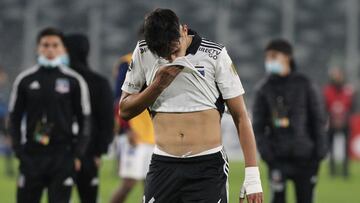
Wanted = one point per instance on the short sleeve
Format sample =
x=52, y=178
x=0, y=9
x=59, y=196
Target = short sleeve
x=227, y=78
x=135, y=76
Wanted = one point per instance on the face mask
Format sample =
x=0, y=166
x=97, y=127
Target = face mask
x=49, y=63
x=65, y=60
x=273, y=67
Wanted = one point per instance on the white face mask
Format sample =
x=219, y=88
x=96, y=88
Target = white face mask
x=49, y=63
x=65, y=60
x=274, y=67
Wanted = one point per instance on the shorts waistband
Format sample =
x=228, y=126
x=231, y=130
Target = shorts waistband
x=158, y=151
x=220, y=155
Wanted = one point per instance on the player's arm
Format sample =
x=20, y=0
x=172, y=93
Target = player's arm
x=132, y=101
x=252, y=184
x=16, y=108
x=82, y=109
x=242, y=122
x=133, y=104
x=231, y=89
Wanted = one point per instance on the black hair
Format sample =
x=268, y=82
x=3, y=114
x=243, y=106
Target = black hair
x=50, y=31
x=161, y=29
x=283, y=46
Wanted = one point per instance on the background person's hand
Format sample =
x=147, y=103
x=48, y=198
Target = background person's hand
x=97, y=161
x=77, y=163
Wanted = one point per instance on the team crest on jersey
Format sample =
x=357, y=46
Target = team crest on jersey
x=62, y=85
x=201, y=70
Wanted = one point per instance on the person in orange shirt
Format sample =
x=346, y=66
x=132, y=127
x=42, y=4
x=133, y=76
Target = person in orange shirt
x=136, y=147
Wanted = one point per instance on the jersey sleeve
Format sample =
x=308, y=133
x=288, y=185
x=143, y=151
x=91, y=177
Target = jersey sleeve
x=135, y=76
x=226, y=77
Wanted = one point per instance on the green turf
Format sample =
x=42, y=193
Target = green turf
x=329, y=190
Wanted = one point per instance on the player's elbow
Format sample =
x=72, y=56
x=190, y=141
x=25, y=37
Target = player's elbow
x=124, y=112
x=125, y=116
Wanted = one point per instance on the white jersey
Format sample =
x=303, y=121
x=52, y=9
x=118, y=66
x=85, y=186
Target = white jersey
x=209, y=76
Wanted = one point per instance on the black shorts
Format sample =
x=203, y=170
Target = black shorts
x=202, y=179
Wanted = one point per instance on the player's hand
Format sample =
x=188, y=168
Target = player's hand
x=251, y=189
x=77, y=163
x=97, y=161
x=165, y=75
x=253, y=198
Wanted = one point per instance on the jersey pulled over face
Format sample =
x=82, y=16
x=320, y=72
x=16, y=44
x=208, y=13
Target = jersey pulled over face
x=213, y=73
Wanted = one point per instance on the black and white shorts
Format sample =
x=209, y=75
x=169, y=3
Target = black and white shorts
x=200, y=179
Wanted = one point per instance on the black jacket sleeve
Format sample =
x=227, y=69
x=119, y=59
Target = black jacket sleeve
x=261, y=124
x=16, y=109
x=317, y=121
x=105, y=119
x=82, y=109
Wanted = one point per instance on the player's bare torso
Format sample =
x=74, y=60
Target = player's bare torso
x=187, y=133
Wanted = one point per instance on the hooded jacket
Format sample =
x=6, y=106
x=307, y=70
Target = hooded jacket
x=289, y=119
x=101, y=97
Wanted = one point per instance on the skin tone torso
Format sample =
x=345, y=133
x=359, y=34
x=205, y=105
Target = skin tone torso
x=187, y=133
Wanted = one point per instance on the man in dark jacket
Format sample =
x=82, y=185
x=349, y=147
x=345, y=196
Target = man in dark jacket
x=289, y=124
x=49, y=98
x=102, y=117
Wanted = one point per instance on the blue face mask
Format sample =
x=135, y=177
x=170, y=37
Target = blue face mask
x=274, y=67
x=49, y=63
x=65, y=60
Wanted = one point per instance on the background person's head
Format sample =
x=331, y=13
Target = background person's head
x=50, y=43
x=78, y=47
x=162, y=32
x=336, y=76
x=279, y=57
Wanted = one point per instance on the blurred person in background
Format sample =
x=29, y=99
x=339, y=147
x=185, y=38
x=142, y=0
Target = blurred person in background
x=102, y=120
x=136, y=144
x=185, y=81
x=49, y=97
x=289, y=125
x=339, y=100
x=5, y=140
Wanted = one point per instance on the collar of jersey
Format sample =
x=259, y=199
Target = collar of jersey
x=195, y=43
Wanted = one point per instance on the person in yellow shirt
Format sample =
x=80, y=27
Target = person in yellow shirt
x=136, y=144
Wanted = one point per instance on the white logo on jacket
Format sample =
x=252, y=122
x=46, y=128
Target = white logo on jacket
x=35, y=85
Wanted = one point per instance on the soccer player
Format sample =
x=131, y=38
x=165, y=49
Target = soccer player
x=185, y=80
x=49, y=97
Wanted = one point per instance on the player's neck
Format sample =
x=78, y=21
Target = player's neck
x=189, y=40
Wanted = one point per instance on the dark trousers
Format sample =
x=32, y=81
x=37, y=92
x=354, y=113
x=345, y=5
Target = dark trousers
x=304, y=176
x=39, y=171
x=87, y=180
x=345, y=162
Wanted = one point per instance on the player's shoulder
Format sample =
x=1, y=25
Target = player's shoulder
x=72, y=74
x=211, y=44
x=142, y=47
x=212, y=49
x=28, y=73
